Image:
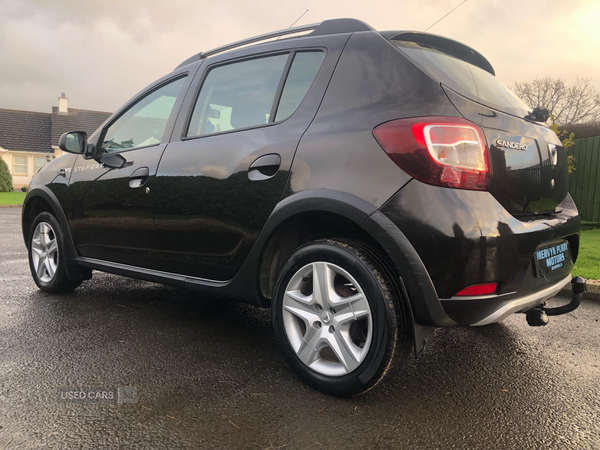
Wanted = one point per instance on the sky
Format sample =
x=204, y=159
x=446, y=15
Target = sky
x=102, y=52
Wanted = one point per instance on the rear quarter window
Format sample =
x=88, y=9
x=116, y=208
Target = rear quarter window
x=303, y=71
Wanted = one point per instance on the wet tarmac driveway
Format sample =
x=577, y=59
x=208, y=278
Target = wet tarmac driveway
x=208, y=375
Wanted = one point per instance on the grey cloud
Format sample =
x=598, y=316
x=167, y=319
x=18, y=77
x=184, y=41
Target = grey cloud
x=101, y=52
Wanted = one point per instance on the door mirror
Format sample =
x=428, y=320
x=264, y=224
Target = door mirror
x=73, y=142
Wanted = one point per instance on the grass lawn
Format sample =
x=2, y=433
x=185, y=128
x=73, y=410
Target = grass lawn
x=12, y=198
x=588, y=262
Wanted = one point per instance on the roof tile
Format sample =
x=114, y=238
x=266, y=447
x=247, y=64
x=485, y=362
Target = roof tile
x=25, y=130
x=76, y=120
x=30, y=131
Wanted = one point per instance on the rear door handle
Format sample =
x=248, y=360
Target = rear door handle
x=139, y=177
x=264, y=167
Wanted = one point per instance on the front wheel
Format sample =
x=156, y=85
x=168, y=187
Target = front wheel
x=338, y=317
x=47, y=258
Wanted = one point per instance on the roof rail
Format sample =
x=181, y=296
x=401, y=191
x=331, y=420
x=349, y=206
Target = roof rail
x=334, y=26
x=261, y=37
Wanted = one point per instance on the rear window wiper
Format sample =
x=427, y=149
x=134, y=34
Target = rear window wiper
x=538, y=114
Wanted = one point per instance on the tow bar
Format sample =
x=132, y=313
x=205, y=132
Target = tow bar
x=538, y=316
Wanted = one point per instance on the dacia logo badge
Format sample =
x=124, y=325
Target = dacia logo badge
x=509, y=144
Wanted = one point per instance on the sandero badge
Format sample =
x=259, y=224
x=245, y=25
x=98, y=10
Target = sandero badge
x=509, y=144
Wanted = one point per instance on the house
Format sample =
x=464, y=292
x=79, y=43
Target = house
x=28, y=139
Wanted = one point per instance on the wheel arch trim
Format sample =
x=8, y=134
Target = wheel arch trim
x=314, y=200
x=49, y=197
x=341, y=203
x=426, y=306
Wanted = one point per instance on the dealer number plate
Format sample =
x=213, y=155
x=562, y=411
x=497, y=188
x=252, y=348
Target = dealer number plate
x=553, y=257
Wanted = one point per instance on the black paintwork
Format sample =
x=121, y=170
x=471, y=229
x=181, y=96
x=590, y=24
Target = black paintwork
x=521, y=179
x=208, y=217
x=209, y=231
x=466, y=237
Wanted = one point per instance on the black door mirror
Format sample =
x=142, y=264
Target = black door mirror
x=73, y=142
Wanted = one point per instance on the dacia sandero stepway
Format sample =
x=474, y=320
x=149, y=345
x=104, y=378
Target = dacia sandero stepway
x=367, y=186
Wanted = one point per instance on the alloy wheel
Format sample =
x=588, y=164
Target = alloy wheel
x=44, y=252
x=327, y=319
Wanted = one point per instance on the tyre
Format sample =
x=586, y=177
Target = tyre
x=338, y=317
x=47, y=255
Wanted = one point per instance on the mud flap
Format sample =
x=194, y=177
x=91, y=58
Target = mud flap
x=422, y=335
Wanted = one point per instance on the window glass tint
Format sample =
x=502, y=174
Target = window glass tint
x=145, y=122
x=302, y=73
x=20, y=165
x=466, y=79
x=492, y=92
x=39, y=162
x=237, y=95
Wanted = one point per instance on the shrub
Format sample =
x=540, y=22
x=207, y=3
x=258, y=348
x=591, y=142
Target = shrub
x=5, y=178
x=24, y=189
x=568, y=141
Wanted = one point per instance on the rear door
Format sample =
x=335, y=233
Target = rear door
x=111, y=216
x=229, y=160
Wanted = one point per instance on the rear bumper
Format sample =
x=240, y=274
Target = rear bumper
x=507, y=304
x=463, y=238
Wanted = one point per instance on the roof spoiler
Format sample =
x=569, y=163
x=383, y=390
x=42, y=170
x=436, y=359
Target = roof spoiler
x=454, y=48
x=334, y=26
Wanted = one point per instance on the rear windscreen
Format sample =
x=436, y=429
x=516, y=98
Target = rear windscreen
x=464, y=78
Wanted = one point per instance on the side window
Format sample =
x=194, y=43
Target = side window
x=302, y=73
x=38, y=163
x=143, y=123
x=20, y=165
x=237, y=95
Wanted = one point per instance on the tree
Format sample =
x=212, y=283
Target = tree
x=5, y=178
x=569, y=104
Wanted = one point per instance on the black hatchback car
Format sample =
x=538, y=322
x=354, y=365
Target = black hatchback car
x=367, y=186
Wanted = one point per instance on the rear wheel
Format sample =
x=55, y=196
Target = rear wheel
x=338, y=318
x=47, y=255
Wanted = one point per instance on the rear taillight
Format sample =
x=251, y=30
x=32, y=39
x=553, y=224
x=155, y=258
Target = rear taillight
x=445, y=151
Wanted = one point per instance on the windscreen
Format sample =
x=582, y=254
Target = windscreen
x=464, y=78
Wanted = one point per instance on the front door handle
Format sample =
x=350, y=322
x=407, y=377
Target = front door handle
x=264, y=167
x=139, y=177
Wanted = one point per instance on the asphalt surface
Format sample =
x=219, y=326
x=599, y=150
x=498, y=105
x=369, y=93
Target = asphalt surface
x=208, y=375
